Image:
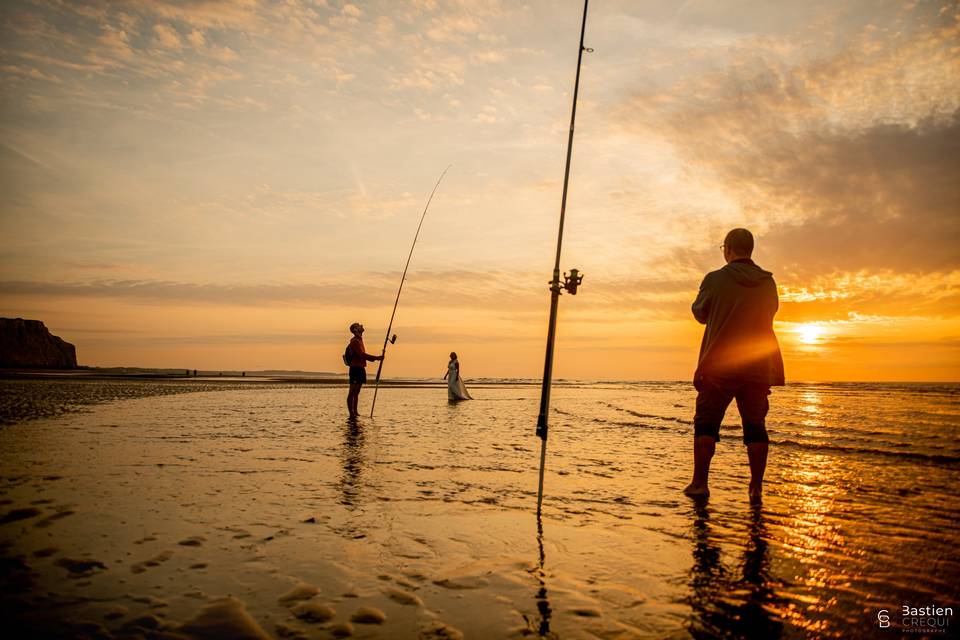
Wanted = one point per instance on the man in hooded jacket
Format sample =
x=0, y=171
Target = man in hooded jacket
x=739, y=358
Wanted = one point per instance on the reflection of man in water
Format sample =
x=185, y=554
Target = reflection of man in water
x=352, y=463
x=741, y=606
x=358, y=357
x=739, y=358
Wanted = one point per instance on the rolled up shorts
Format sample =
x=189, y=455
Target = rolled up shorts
x=358, y=375
x=713, y=399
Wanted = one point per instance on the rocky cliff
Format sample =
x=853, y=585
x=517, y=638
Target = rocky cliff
x=27, y=343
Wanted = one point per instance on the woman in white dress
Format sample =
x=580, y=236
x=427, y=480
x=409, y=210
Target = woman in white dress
x=455, y=388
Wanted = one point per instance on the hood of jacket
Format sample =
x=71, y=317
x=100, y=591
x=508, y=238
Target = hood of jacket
x=746, y=273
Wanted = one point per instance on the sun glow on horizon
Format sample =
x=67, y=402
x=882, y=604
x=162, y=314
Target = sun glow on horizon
x=231, y=191
x=810, y=333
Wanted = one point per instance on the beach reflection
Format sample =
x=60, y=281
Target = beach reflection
x=542, y=626
x=727, y=602
x=813, y=541
x=352, y=461
x=813, y=488
x=810, y=406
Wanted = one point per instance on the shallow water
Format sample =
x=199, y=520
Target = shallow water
x=426, y=513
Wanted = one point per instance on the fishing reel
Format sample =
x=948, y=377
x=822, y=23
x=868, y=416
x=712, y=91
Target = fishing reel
x=393, y=340
x=571, y=282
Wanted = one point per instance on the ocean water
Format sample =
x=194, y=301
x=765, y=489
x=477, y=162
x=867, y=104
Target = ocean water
x=427, y=511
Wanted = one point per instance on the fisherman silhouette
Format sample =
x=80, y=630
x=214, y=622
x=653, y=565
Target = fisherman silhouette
x=356, y=354
x=739, y=358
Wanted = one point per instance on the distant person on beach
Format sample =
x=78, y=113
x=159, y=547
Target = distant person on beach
x=358, y=357
x=739, y=358
x=456, y=390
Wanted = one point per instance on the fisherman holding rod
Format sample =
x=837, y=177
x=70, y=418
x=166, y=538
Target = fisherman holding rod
x=357, y=356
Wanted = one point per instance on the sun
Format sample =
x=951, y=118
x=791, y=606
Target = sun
x=810, y=332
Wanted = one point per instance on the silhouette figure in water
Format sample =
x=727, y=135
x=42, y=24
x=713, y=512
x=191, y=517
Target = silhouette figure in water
x=455, y=387
x=739, y=358
x=358, y=357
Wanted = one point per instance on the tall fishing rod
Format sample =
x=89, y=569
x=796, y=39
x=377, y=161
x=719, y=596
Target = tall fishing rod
x=393, y=340
x=570, y=283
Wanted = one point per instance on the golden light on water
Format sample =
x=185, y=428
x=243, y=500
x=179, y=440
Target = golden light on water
x=810, y=406
x=813, y=540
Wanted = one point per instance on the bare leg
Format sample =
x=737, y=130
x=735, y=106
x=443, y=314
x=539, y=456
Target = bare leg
x=353, y=399
x=703, y=450
x=757, y=453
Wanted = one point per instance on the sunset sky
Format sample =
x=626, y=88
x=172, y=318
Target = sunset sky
x=228, y=184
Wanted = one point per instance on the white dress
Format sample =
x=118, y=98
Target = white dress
x=455, y=388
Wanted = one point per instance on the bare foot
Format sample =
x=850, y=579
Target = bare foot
x=756, y=494
x=696, y=491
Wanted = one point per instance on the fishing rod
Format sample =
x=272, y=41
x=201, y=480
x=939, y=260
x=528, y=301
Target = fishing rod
x=393, y=340
x=570, y=283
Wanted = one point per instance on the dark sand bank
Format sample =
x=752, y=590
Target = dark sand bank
x=26, y=396
x=27, y=393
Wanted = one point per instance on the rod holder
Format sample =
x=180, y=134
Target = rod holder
x=571, y=282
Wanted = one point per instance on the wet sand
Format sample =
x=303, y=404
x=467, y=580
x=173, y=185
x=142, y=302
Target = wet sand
x=189, y=516
x=238, y=514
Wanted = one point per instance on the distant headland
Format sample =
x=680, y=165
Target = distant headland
x=29, y=344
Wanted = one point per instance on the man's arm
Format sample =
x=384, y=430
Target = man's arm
x=361, y=349
x=701, y=306
x=367, y=356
